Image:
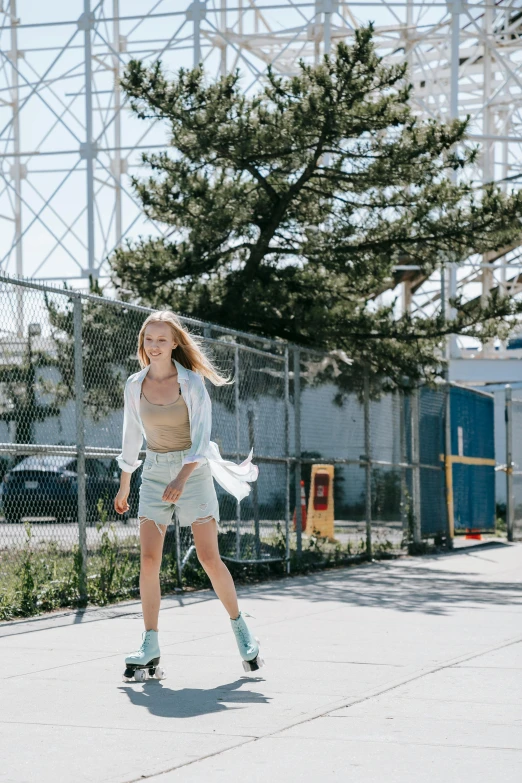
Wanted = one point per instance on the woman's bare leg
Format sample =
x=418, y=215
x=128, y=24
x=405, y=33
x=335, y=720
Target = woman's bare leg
x=151, y=552
x=206, y=541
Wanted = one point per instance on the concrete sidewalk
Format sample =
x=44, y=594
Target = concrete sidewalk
x=385, y=673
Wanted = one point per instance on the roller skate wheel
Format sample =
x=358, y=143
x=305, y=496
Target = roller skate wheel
x=140, y=675
x=246, y=666
x=260, y=662
x=160, y=673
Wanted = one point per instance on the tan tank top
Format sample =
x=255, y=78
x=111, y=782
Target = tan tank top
x=167, y=427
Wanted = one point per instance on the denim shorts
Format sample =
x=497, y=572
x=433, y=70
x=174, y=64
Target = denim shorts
x=197, y=501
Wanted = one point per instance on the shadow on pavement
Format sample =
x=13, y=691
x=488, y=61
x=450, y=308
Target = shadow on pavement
x=166, y=702
x=396, y=587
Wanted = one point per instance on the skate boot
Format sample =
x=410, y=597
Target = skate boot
x=144, y=661
x=247, y=644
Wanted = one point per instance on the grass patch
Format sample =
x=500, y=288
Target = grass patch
x=42, y=578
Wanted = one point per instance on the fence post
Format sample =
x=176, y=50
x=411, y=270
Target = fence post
x=297, y=438
x=255, y=491
x=510, y=500
x=80, y=443
x=287, y=463
x=448, y=470
x=238, y=445
x=403, y=458
x=415, y=460
x=368, y=462
x=179, y=566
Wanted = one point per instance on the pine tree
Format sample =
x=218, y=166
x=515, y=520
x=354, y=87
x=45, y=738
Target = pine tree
x=22, y=385
x=109, y=336
x=289, y=209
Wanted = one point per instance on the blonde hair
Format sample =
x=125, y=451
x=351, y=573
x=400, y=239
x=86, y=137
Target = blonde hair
x=189, y=351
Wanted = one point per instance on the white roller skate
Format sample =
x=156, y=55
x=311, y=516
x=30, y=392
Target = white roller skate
x=144, y=662
x=247, y=644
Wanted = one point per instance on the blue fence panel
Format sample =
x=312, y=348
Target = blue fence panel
x=431, y=448
x=473, y=456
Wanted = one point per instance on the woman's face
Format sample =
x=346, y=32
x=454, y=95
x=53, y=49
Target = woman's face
x=158, y=342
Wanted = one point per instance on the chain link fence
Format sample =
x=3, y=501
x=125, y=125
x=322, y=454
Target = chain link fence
x=64, y=359
x=513, y=466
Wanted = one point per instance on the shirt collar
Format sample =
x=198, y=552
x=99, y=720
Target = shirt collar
x=182, y=372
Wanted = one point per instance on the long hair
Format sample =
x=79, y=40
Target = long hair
x=189, y=351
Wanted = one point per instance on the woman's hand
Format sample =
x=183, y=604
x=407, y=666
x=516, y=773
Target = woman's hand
x=120, y=501
x=173, y=490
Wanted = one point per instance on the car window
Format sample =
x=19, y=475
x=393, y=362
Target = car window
x=94, y=468
x=43, y=462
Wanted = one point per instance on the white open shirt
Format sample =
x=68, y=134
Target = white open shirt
x=232, y=477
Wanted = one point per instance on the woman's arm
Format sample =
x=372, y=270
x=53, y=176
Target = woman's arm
x=132, y=439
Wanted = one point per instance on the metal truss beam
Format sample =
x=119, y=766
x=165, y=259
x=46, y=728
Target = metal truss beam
x=68, y=143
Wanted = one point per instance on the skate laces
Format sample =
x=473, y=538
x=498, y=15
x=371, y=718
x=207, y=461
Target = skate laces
x=242, y=629
x=145, y=640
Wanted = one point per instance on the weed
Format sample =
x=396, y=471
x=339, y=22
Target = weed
x=44, y=577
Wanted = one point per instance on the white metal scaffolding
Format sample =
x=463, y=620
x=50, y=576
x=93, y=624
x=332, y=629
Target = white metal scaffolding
x=68, y=143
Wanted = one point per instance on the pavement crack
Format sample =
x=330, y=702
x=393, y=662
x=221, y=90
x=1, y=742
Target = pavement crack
x=322, y=712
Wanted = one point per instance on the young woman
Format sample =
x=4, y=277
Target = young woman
x=168, y=404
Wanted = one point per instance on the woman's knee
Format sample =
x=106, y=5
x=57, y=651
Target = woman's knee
x=150, y=562
x=210, y=560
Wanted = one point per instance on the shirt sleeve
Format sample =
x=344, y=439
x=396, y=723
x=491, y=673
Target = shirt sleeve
x=201, y=421
x=132, y=440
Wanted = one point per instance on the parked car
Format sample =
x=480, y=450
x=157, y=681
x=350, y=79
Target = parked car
x=47, y=486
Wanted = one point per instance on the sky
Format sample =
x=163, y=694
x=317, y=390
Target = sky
x=51, y=75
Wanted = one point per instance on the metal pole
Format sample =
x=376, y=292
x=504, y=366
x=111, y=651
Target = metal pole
x=117, y=162
x=327, y=8
x=448, y=468
x=408, y=44
x=255, y=491
x=487, y=124
x=16, y=166
x=503, y=174
x=223, y=42
x=487, y=150
x=327, y=38
x=86, y=23
x=454, y=113
x=510, y=499
x=179, y=565
x=297, y=438
x=287, y=454
x=238, y=447
x=80, y=444
x=455, y=44
x=415, y=452
x=448, y=461
x=368, y=463
x=403, y=458
x=196, y=14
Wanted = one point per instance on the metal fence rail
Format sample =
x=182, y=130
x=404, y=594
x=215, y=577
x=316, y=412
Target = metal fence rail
x=64, y=359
